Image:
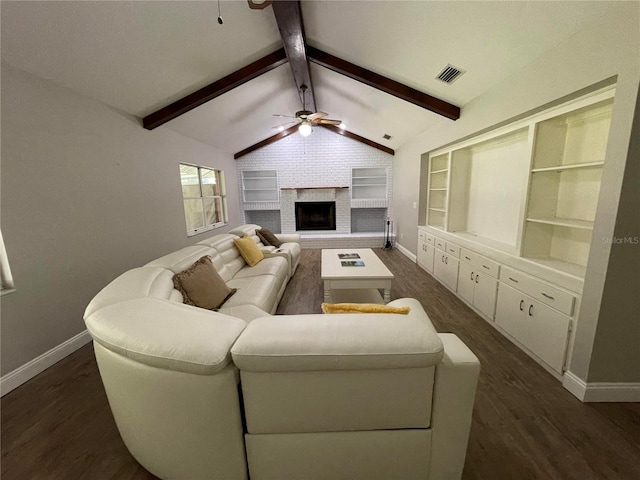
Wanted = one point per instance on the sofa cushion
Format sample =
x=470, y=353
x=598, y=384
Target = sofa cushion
x=276, y=266
x=201, y=286
x=268, y=238
x=337, y=342
x=249, y=250
x=261, y=291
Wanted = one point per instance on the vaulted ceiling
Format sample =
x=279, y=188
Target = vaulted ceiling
x=141, y=56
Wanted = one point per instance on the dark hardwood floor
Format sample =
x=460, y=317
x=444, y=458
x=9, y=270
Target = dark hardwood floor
x=525, y=425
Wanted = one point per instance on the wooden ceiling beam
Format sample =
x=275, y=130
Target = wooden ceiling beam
x=215, y=89
x=384, y=84
x=289, y=19
x=267, y=141
x=358, y=138
x=294, y=129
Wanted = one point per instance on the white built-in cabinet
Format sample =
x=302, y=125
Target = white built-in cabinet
x=445, y=264
x=517, y=206
x=478, y=281
x=426, y=251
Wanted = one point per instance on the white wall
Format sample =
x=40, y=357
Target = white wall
x=87, y=193
x=610, y=47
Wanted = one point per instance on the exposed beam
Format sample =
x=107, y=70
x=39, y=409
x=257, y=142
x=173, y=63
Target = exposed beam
x=385, y=84
x=358, y=138
x=289, y=19
x=217, y=88
x=264, y=143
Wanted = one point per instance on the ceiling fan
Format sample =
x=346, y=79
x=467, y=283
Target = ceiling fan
x=306, y=118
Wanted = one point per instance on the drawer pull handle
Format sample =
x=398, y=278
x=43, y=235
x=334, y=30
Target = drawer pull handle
x=521, y=303
x=446, y=261
x=471, y=276
x=530, y=310
x=484, y=266
x=477, y=275
x=513, y=279
x=443, y=258
x=547, y=296
x=467, y=258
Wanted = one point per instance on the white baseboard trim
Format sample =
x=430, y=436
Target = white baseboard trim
x=406, y=252
x=601, y=391
x=26, y=372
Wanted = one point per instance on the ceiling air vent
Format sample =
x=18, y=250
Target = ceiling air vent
x=386, y=136
x=450, y=74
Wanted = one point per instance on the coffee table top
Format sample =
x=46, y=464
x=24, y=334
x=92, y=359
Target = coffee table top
x=332, y=268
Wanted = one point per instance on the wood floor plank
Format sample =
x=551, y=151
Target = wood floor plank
x=526, y=426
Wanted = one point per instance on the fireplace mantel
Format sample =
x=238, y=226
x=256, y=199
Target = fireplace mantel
x=309, y=188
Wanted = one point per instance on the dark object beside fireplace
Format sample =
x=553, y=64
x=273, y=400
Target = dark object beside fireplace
x=315, y=215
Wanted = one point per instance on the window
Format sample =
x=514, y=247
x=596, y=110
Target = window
x=204, y=196
x=5, y=271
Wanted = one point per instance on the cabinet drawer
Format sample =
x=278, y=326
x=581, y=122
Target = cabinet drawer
x=431, y=240
x=558, y=299
x=441, y=244
x=422, y=235
x=453, y=249
x=483, y=264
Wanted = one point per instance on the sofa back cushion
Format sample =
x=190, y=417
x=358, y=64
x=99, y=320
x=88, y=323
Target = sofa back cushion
x=150, y=282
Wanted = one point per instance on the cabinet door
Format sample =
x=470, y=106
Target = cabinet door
x=541, y=329
x=422, y=252
x=511, y=311
x=466, y=281
x=451, y=272
x=428, y=257
x=484, y=295
x=439, y=267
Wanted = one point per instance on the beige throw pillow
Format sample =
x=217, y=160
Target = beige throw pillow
x=249, y=250
x=202, y=286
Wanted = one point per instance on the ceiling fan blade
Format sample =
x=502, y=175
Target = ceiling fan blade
x=287, y=123
x=316, y=115
x=328, y=121
x=284, y=116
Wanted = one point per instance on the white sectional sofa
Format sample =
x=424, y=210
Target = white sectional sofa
x=240, y=393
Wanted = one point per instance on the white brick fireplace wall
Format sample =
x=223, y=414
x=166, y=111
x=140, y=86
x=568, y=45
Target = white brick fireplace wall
x=323, y=159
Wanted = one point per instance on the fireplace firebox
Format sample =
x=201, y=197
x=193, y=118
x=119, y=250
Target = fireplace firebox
x=315, y=216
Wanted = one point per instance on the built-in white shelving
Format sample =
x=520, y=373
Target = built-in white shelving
x=369, y=183
x=260, y=185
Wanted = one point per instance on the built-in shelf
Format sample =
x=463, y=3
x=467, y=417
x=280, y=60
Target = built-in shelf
x=558, y=168
x=563, y=222
x=260, y=185
x=438, y=189
x=369, y=183
x=443, y=170
x=437, y=209
x=310, y=188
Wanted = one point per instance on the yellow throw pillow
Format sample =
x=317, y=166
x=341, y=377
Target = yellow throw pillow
x=362, y=308
x=249, y=250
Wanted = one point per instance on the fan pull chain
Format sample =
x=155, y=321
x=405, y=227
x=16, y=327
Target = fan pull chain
x=220, y=20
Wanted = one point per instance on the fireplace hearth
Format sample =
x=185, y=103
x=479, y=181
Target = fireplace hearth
x=315, y=216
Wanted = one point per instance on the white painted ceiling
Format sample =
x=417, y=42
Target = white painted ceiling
x=139, y=56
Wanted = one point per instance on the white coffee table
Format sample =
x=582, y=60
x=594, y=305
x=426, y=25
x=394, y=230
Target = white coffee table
x=366, y=279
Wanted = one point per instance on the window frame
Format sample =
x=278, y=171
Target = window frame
x=222, y=197
x=6, y=279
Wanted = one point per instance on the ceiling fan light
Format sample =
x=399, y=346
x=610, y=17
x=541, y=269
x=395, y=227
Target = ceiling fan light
x=304, y=129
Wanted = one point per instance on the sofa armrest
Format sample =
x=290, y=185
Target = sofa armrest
x=453, y=398
x=288, y=237
x=166, y=335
